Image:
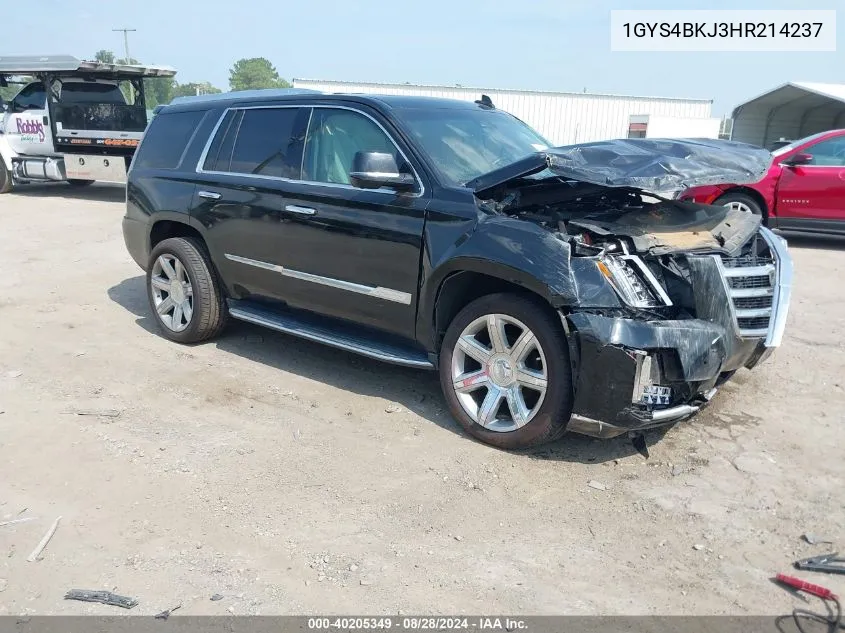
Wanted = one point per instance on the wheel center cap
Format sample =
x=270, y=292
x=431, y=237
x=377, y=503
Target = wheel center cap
x=177, y=292
x=501, y=371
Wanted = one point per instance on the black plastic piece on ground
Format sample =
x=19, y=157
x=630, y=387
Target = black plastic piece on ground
x=103, y=597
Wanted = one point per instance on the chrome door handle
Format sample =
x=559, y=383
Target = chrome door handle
x=209, y=195
x=301, y=210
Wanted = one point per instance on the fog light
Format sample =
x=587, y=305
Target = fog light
x=647, y=379
x=656, y=394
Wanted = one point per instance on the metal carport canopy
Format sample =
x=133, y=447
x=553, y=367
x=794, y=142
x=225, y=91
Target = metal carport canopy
x=68, y=65
x=791, y=111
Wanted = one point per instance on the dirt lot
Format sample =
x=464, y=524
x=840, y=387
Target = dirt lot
x=292, y=478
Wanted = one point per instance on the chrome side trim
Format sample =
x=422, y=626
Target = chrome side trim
x=209, y=195
x=782, y=288
x=377, y=292
x=300, y=210
x=201, y=161
x=328, y=339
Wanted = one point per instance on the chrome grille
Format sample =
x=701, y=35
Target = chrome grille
x=751, y=285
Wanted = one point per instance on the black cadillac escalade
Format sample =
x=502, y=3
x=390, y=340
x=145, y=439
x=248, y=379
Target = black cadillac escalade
x=553, y=288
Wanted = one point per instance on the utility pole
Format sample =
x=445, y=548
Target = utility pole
x=125, y=41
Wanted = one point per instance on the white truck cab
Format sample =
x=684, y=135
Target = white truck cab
x=72, y=120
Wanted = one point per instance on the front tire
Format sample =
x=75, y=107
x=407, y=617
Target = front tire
x=5, y=178
x=505, y=372
x=184, y=293
x=741, y=202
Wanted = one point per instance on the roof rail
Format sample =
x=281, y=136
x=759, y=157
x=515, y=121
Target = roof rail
x=263, y=93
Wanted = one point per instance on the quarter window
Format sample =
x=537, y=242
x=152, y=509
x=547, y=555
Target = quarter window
x=166, y=140
x=269, y=142
x=829, y=153
x=334, y=137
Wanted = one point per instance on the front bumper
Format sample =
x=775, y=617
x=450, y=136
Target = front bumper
x=615, y=359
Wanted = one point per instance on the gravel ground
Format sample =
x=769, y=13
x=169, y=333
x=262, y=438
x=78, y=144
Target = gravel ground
x=292, y=478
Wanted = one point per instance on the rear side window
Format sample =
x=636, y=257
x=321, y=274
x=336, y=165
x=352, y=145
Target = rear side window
x=166, y=139
x=269, y=142
x=219, y=155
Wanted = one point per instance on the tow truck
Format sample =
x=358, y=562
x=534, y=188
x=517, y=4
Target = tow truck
x=72, y=121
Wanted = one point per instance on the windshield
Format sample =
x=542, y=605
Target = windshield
x=466, y=143
x=788, y=148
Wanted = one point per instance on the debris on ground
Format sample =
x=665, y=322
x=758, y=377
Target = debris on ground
x=36, y=553
x=166, y=613
x=3, y=584
x=698, y=547
x=216, y=597
x=814, y=539
x=100, y=413
x=392, y=408
x=826, y=563
x=596, y=484
x=15, y=521
x=15, y=373
x=103, y=597
x=638, y=442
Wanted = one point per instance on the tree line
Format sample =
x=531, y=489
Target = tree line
x=245, y=74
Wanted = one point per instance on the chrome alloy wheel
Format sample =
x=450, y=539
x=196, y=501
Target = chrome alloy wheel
x=499, y=372
x=173, y=294
x=739, y=206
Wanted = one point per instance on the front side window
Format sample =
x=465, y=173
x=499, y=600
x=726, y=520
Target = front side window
x=269, y=142
x=334, y=137
x=32, y=97
x=829, y=153
x=464, y=143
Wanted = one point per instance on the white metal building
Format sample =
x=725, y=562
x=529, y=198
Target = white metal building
x=562, y=117
x=791, y=111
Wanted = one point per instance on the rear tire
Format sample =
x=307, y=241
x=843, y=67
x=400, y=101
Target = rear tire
x=741, y=202
x=5, y=178
x=534, y=378
x=80, y=183
x=184, y=292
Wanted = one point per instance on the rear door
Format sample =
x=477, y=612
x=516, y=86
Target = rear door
x=243, y=179
x=814, y=194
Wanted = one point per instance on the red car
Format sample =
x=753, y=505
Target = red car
x=804, y=189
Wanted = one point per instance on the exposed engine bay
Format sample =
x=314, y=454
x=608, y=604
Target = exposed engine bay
x=640, y=241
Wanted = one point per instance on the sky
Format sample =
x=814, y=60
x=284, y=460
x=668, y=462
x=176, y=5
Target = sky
x=557, y=45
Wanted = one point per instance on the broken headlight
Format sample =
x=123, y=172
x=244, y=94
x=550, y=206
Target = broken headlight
x=633, y=281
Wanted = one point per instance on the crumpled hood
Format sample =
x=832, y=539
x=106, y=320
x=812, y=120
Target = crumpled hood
x=650, y=165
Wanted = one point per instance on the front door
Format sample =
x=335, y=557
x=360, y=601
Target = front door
x=812, y=195
x=356, y=252
x=26, y=124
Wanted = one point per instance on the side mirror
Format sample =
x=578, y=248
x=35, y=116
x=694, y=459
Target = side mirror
x=801, y=158
x=372, y=170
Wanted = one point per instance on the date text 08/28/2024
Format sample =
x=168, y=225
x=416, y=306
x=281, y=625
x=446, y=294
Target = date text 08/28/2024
x=417, y=623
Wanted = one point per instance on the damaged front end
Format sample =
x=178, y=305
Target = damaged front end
x=700, y=292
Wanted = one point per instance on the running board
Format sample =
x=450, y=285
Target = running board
x=342, y=337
